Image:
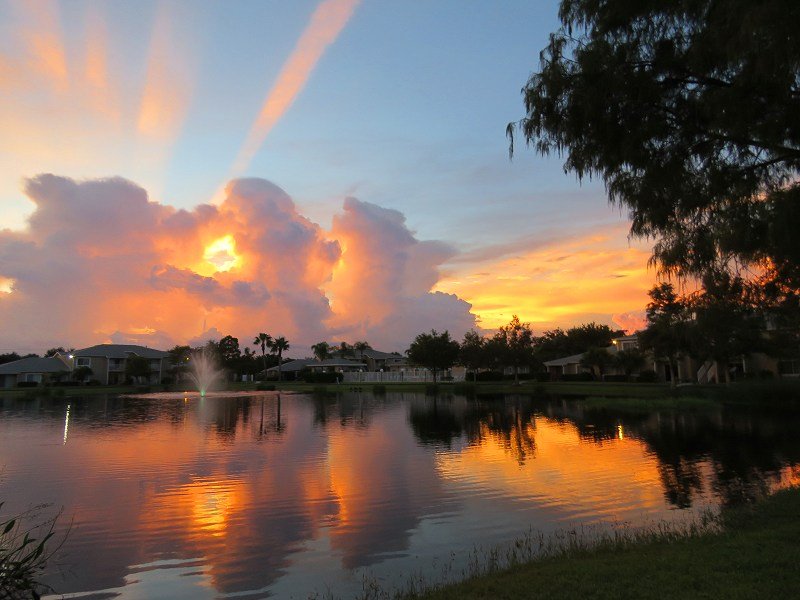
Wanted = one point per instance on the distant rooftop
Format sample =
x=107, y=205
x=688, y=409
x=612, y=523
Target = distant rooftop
x=34, y=364
x=120, y=351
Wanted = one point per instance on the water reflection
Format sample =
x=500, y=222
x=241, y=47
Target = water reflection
x=275, y=493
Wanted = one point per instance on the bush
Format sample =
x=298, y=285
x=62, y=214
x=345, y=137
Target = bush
x=540, y=376
x=766, y=374
x=648, y=376
x=490, y=376
x=577, y=377
x=27, y=384
x=93, y=382
x=66, y=383
x=263, y=387
x=312, y=377
x=615, y=378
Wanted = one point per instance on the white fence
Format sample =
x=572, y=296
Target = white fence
x=407, y=376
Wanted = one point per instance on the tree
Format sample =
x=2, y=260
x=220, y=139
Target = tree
x=279, y=346
x=229, y=352
x=82, y=373
x=472, y=353
x=321, y=350
x=179, y=357
x=597, y=358
x=137, y=367
x=668, y=326
x=434, y=351
x=264, y=340
x=726, y=325
x=360, y=347
x=558, y=343
x=514, y=344
x=690, y=113
x=54, y=351
x=629, y=360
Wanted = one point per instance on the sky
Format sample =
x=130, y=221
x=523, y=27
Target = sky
x=172, y=172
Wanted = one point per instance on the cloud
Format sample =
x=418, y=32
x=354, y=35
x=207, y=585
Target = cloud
x=383, y=282
x=630, y=321
x=99, y=261
x=326, y=23
x=562, y=282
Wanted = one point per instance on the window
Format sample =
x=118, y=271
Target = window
x=83, y=361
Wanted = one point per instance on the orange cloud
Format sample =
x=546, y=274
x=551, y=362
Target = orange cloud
x=563, y=282
x=128, y=269
x=327, y=21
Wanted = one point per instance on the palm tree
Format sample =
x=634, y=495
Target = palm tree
x=322, y=350
x=360, y=347
x=278, y=346
x=265, y=341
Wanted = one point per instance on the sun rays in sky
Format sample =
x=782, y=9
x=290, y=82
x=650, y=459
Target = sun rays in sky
x=401, y=107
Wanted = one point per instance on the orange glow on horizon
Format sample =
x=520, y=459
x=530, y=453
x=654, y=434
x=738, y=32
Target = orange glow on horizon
x=564, y=284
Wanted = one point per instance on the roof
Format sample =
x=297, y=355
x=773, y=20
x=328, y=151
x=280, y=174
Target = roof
x=120, y=351
x=302, y=363
x=34, y=364
x=567, y=360
x=377, y=354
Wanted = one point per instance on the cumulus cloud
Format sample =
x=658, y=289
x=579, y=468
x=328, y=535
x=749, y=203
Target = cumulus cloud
x=630, y=321
x=385, y=276
x=101, y=262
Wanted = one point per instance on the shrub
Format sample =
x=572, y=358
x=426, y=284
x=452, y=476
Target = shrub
x=312, y=377
x=263, y=387
x=27, y=384
x=615, y=378
x=93, y=382
x=540, y=376
x=648, y=376
x=766, y=374
x=577, y=377
x=66, y=383
x=490, y=376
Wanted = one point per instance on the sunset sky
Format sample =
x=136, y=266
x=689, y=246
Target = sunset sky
x=334, y=169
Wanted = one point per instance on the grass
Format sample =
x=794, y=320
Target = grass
x=24, y=553
x=747, y=552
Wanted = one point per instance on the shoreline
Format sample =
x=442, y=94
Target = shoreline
x=754, y=554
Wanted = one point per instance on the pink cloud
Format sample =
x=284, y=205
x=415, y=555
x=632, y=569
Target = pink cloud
x=99, y=261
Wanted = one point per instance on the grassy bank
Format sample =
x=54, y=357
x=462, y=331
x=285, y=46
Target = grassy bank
x=754, y=555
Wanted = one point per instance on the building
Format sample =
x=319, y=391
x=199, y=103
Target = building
x=35, y=370
x=108, y=362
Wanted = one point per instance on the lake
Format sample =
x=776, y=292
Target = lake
x=297, y=496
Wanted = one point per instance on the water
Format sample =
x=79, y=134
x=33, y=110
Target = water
x=289, y=495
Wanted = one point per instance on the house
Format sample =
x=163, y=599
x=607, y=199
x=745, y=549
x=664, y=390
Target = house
x=381, y=361
x=571, y=365
x=330, y=365
x=568, y=365
x=108, y=361
x=34, y=370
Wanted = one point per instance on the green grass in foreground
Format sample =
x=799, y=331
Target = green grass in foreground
x=755, y=555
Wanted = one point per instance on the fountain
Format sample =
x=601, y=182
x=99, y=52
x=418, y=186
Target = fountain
x=203, y=371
